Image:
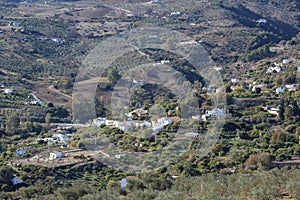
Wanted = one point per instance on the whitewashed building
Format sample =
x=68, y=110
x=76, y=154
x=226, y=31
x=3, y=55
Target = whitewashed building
x=20, y=152
x=60, y=137
x=16, y=180
x=192, y=135
x=280, y=90
x=55, y=155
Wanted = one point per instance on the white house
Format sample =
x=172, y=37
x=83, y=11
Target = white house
x=130, y=15
x=188, y=42
x=263, y=21
x=196, y=117
x=215, y=112
x=143, y=124
x=60, y=137
x=286, y=61
x=20, y=152
x=119, y=155
x=124, y=125
x=218, y=68
x=165, y=62
x=123, y=183
x=192, y=135
x=111, y=123
x=138, y=112
x=159, y=124
x=235, y=80
x=163, y=121
x=56, y=40
x=15, y=24
x=256, y=89
x=274, y=111
x=291, y=87
x=274, y=69
x=280, y=90
x=16, y=180
x=55, y=155
x=156, y=2
x=175, y=14
x=99, y=121
x=8, y=91
x=35, y=102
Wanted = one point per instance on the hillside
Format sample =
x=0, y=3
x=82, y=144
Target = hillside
x=213, y=105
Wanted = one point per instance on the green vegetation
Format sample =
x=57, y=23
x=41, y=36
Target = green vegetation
x=256, y=156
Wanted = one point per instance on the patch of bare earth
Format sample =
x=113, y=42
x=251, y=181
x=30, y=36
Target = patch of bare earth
x=44, y=92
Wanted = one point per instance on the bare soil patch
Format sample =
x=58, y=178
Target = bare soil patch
x=42, y=91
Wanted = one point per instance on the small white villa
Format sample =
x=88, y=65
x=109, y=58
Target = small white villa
x=192, y=135
x=263, y=21
x=60, y=137
x=55, y=155
x=20, y=152
x=16, y=180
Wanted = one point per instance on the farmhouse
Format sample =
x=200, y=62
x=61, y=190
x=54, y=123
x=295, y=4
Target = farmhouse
x=137, y=112
x=165, y=62
x=15, y=24
x=55, y=155
x=291, y=87
x=99, y=121
x=218, y=68
x=124, y=125
x=143, y=124
x=274, y=111
x=60, y=137
x=176, y=14
x=56, y=40
x=274, y=69
x=257, y=89
x=235, y=80
x=159, y=124
x=156, y=2
x=8, y=91
x=280, y=90
x=16, y=180
x=111, y=123
x=130, y=15
x=123, y=183
x=213, y=113
x=286, y=61
x=20, y=152
x=263, y=21
x=191, y=135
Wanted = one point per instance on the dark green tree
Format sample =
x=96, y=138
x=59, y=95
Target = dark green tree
x=281, y=110
x=113, y=75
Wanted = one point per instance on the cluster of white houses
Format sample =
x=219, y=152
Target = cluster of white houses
x=61, y=137
x=216, y=113
x=286, y=88
x=156, y=125
x=6, y=90
x=276, y=68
